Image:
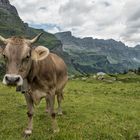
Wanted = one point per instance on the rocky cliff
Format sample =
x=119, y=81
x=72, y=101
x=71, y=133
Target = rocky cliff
x=5, y=4
x=92, y=55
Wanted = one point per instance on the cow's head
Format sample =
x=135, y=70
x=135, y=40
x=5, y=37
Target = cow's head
x=18, y=55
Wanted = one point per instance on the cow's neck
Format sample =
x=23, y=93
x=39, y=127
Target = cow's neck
x=33, y=71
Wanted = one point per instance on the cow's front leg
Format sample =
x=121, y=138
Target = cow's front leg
x=30, y=107
x=52, y=112
x=59, y=100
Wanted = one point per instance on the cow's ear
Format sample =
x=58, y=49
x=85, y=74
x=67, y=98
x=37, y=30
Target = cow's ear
x=39, y=53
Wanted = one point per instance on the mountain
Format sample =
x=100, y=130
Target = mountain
x=93, y=55
x=12, y=25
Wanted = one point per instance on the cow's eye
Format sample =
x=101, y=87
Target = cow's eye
x=26, y=58
x=5, y=57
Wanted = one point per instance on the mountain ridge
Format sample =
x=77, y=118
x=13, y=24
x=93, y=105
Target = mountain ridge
x=98, y=54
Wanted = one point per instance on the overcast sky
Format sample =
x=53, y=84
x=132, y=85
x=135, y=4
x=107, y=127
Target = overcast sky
x=117, y=19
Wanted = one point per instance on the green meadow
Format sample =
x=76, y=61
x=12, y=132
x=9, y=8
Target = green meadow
x=93, y=110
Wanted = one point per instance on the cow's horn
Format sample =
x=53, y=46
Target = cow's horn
x=35, y=38
x=4, y=40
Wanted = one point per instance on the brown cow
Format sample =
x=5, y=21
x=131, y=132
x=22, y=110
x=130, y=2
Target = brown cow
x=39, y=72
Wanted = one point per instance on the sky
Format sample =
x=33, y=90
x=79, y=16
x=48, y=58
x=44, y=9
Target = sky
x=105, y=19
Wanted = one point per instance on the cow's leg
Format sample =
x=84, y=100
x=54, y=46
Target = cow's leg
x=59, y=100
x=30, y=107
x=47, y=104
x=52, y=112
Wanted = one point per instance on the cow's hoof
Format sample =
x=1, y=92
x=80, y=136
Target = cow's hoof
x=56, y=130
x=27, y=133
x=59, y=113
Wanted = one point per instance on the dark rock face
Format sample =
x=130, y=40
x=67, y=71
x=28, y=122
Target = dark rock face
x=4, y=2
x=92, y=55
x=6, y=5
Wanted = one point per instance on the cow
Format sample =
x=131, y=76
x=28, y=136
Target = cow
x=40, y=73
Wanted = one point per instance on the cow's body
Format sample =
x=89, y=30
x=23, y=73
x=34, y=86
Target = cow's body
x=43, y=73
x=47, y=75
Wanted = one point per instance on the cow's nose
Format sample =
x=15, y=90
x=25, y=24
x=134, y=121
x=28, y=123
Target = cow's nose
x=12, y=79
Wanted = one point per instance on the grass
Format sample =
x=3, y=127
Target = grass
x=93, y=110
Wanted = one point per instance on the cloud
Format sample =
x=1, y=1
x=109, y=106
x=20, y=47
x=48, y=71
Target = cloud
x=75, y=12
x=131, y=33
x=52, y=28
x=106, y=3
x=117, y=19
x=92, y=18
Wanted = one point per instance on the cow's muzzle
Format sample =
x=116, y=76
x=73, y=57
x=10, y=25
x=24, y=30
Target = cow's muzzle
x=12, y=79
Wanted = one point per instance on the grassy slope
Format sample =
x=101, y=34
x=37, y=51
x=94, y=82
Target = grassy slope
x=93, y=110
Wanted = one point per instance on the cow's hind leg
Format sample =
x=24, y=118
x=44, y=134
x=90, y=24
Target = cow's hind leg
x=59, y=100
x=47, y=104
x=30, y=107
x=51, y=96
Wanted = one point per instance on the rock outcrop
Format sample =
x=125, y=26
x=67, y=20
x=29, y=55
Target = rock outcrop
x=6, y=5
x=4, y=2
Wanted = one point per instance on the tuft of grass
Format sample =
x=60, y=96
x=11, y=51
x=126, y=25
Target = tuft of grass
x=93, y=110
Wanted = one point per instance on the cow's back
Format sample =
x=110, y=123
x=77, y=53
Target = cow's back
x=61, y=70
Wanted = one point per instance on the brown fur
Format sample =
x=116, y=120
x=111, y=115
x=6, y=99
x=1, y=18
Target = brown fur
x=48, y=74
